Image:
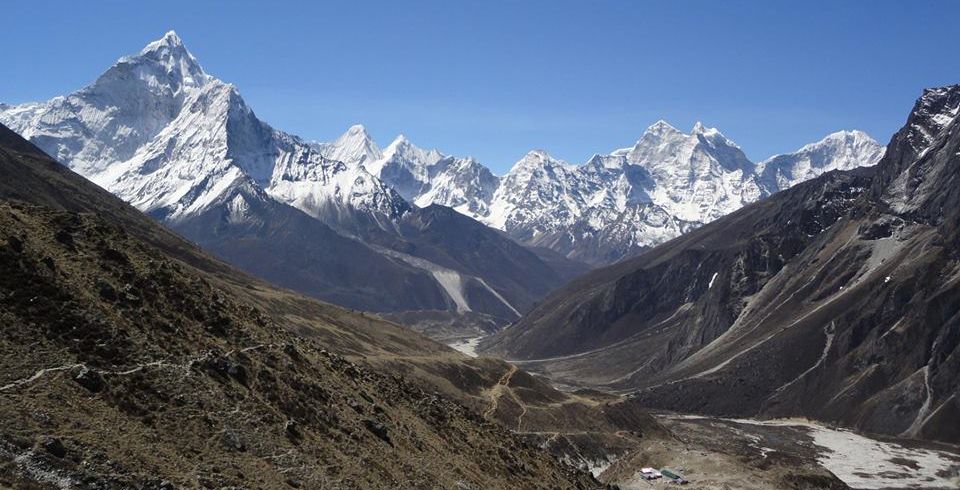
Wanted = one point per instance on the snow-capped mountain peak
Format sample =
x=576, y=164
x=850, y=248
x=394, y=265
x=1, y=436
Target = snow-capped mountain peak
x=170, y=40
x=461, y=183
x=600, y=163
x=842, y=150
x=403, y=148
x=159, y=132
x=846, y=138
x=659, y=133
x=661, y=127
x=353, y=147
x=127, y=106
x=540, y=155
x=699, y=129
x=665, y=149
x=538, y=170
x=164, y=63
x=406, y=167
x=536, y=160
x=656, y=132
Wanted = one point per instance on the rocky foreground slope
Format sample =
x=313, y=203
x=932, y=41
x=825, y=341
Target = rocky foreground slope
x=837, y=299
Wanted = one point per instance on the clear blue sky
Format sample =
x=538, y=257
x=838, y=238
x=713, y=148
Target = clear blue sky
x=494, y=79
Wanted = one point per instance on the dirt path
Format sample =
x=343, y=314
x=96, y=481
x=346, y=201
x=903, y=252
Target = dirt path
x=523, y=410
x=185, y=366
x=497, y=391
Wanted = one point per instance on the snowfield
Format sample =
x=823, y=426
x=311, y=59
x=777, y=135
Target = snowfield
x=468, y=346
x=864, y=463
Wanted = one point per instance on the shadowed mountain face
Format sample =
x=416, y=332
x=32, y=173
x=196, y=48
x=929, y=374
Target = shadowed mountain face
x=837, y=299
x=130, y=359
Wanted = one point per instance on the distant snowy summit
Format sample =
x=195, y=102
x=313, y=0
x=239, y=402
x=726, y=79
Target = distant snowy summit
x=843, y=150
x=161, y=133
x=615, y=204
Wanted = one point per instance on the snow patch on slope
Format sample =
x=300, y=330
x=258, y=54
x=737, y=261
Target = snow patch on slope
x=452, y=282
x=468, y=346
x=497, y=295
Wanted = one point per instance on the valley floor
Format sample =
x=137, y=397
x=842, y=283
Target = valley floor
x=719, y=453
x=716, y=453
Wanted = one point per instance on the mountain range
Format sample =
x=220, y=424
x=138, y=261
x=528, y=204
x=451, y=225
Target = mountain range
x=184, y=147
x=837, y=299
x=397, y=230
x=616, y=204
